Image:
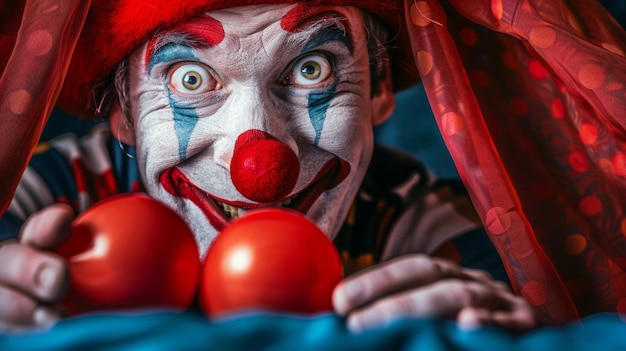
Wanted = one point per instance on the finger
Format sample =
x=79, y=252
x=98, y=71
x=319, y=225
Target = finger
x=520, y=318
x=442, y=299
x=396, y=275
x=48, y=228
x=470, y=318
x=485, y=277
x=43, y=276
x=18, y=311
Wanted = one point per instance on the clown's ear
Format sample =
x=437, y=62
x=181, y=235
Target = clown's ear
x=121, y=127
x=384, y=102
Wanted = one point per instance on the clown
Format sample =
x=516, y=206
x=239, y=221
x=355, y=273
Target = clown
x=254, y=106
x=197, y=92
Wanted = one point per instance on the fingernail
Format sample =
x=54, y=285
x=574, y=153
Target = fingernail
x=44, y=316
x=347, y=297
x=46, y=280
x=468, y=324
x=468, y=319
x=354, y=325
x=362, y=320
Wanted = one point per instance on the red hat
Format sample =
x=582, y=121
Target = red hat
x=115, y=27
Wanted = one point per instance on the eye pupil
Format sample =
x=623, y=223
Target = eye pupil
x=311, y=70
x=192, y=80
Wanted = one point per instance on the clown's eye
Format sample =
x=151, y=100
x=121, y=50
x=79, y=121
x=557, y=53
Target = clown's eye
x=310, y=70
x=189, y=78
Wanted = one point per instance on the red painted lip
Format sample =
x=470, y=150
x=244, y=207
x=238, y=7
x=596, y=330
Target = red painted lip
x=176, y=183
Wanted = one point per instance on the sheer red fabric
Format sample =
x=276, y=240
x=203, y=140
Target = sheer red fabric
x=37, y=39
x=530, y=98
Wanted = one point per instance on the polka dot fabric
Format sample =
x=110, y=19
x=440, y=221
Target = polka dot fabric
x=43, y=34
x=530, y=99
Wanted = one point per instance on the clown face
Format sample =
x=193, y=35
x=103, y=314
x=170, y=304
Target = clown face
x=252, y=107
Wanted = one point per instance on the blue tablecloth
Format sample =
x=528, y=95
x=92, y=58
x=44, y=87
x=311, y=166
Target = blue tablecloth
x=192, y=331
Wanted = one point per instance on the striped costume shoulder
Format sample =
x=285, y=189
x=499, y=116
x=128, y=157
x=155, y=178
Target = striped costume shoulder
x=73, y=170
x=402, y=208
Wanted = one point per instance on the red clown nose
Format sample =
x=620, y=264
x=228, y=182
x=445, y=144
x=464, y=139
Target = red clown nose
x=262, y=168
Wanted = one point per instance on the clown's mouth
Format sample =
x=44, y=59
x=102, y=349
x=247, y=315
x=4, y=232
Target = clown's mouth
x=220, y=211
x=233, y=212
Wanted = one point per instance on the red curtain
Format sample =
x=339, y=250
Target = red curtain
x=37, y=39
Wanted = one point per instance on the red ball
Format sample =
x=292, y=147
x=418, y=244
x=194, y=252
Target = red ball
x=270, y=259
x=130, y=251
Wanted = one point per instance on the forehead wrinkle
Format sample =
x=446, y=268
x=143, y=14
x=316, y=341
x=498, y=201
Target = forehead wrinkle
x=253, y=33
x=275, y=41
x=255, y=18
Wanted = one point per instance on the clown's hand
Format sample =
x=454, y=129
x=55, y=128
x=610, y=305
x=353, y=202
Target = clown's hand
x=32, y=279
x=422, y=286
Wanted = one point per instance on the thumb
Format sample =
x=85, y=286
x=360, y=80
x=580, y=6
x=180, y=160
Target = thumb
x=48, y=229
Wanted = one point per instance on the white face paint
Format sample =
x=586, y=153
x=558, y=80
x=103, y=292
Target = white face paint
x=303, y=93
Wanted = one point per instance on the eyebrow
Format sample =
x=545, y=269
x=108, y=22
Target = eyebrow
x=321, y=29
x=170, y=47
x=200, y=31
